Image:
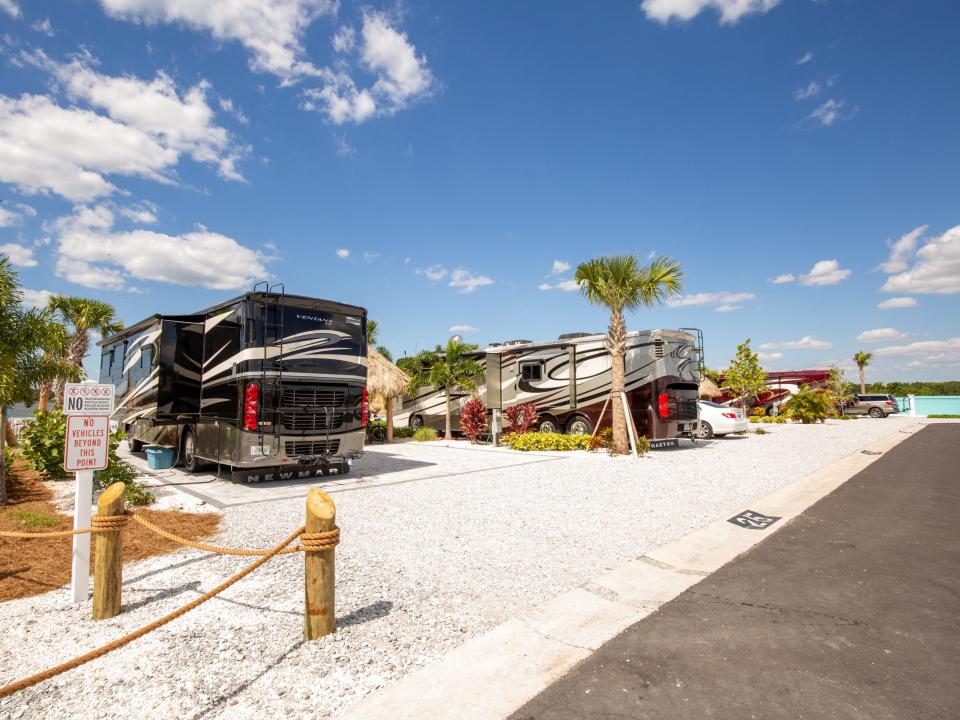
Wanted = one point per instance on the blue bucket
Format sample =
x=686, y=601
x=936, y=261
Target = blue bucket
x=159, y=458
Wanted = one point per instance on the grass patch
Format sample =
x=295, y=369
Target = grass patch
x=424, y=434
x=944, y=416
x=759, y=431
x=31, y=567
x=35, y=518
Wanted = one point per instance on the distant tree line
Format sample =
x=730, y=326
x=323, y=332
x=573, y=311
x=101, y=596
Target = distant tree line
x=902, y=389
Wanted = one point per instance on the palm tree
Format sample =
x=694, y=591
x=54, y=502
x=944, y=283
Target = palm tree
x=373, y=332
x=449, y=369
x=25, y=361
x=620, y=283
x=83, y=315
x=862, y=359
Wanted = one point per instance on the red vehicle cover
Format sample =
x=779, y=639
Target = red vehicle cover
x=781, y=385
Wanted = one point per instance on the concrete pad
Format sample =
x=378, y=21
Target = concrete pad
x=581, y=618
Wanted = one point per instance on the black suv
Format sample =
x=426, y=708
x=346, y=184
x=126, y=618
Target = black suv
x=876, y=406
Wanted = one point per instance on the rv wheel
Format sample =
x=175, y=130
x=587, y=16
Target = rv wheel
x=191, y=463
x=579, y=425
x=548, y=425
x=416, y=422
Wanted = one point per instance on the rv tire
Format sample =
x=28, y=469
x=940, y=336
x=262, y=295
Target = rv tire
x=579, y=424
x=548, y=424
x=416, y=422
x=191, y=463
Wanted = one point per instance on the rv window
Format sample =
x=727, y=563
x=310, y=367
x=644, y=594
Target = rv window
x=531, y=371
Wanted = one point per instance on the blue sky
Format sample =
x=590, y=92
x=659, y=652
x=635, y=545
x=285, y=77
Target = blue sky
x=447, y=165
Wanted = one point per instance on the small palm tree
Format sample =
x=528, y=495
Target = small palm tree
x=373, y=333
x=862, y=359
x=620, y=283
x=449, y=369
x=83, y=315
x=25, y=336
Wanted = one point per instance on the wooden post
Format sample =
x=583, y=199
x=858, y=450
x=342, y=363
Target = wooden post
x=108, y=565
x=388, y=403
x=600, y=419
x=319, y=618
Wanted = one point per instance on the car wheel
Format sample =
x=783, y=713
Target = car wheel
x=579, y=425
x=191, y=463
x=548, y=425
x=876, y=413
x=416, y=422
x=705, y=431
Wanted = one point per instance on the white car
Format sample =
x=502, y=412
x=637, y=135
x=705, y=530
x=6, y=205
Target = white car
x=719, y=420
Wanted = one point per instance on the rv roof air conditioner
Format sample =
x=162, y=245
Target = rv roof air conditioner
x=517, y=342
x=574, y=335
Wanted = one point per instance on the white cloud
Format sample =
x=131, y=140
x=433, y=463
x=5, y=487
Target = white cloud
x=805, y=58
x=829, y=112
x=370, y=256
x=231, y=108
x=271, y=30
x=467, y=281
x=92, y=254
x=463, y=329
x=35, y=298
x=144, y=213
x=567, y=285
x=769, y=357
x=434, y=273
x=825, y=272
x=44, y=26
x=728, y=308
x=344, y=148
x=808, y=91
x=902, y=250
x=19, y=254
x=929, y=353
x=785, y=278
x=402, y=77
x=880, y=335
x=936, y=270
x=730, y=11
x=716, y=298
x=544, y=286
x=8, y=218
x=559, y=267
x=10, y=8
x=343, y=253
x=807, y=342
x=897, y=302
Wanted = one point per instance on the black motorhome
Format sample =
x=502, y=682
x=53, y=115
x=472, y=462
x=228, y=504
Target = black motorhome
x=268, y=384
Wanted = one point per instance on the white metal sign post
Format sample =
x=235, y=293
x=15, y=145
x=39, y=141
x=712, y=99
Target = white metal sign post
x=88, y=408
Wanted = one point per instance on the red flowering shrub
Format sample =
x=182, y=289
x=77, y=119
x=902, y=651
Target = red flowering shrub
x=473, y=419
x=520, y=418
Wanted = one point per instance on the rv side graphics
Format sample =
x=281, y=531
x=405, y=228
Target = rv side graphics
x=569, y=380
x=268, y=384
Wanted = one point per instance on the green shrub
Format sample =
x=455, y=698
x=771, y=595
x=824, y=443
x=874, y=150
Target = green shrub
x=546, y=441
x=424, y=434
x=118, y=471
x=34, y=518
x=760, y=431
x=757, y=419
x=403, y=432
x=643, y=445
x=43, y=441
x=603, y=440
x=8, y=456
x=943, y=415
x=758, y=412
x=807, y=407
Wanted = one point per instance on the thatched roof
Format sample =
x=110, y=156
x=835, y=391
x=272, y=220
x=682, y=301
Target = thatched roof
x=383, y=377
x=709, y=389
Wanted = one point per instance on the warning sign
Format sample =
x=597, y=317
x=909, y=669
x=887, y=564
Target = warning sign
x=88, y=399
x=87, y=440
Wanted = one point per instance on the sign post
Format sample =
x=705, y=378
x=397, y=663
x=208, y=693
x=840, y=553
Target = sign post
x=88, y=408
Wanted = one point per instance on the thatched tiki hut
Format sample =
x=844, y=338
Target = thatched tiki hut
x=386, y=380
x=709, y=389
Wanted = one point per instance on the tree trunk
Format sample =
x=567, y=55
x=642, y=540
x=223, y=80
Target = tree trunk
x=617, y=340
x=388, y=405
x=76, y=352
x=3, y=465
x=446, y=431
x=44, y=397
x=863, y=382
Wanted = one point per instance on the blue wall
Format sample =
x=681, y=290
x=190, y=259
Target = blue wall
x=931, y=404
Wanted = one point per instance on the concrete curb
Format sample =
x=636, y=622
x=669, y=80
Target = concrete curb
x=490, y=676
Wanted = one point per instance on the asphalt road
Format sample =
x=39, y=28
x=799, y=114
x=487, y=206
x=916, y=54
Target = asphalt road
x=851, y=611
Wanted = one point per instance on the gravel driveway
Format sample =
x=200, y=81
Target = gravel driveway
x=470, y=538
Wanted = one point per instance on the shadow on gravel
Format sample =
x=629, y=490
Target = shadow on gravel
x=373, y=611
x=163, y=594
x=167, y=568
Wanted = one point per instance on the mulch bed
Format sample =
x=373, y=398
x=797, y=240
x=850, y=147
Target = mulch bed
x=31, y=567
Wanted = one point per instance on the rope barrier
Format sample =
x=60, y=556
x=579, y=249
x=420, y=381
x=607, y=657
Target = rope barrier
x=101, y=524
x=205, y=546
x=120, y=642
x=318, y=542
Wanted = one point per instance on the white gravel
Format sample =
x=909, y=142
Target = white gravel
x=424, y=565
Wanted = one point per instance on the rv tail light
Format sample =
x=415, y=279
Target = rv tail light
x=732, y=416
x=364, y=407
x=664, y=404
x=251, y=403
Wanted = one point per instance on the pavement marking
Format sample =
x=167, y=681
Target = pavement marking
x=494, y=674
